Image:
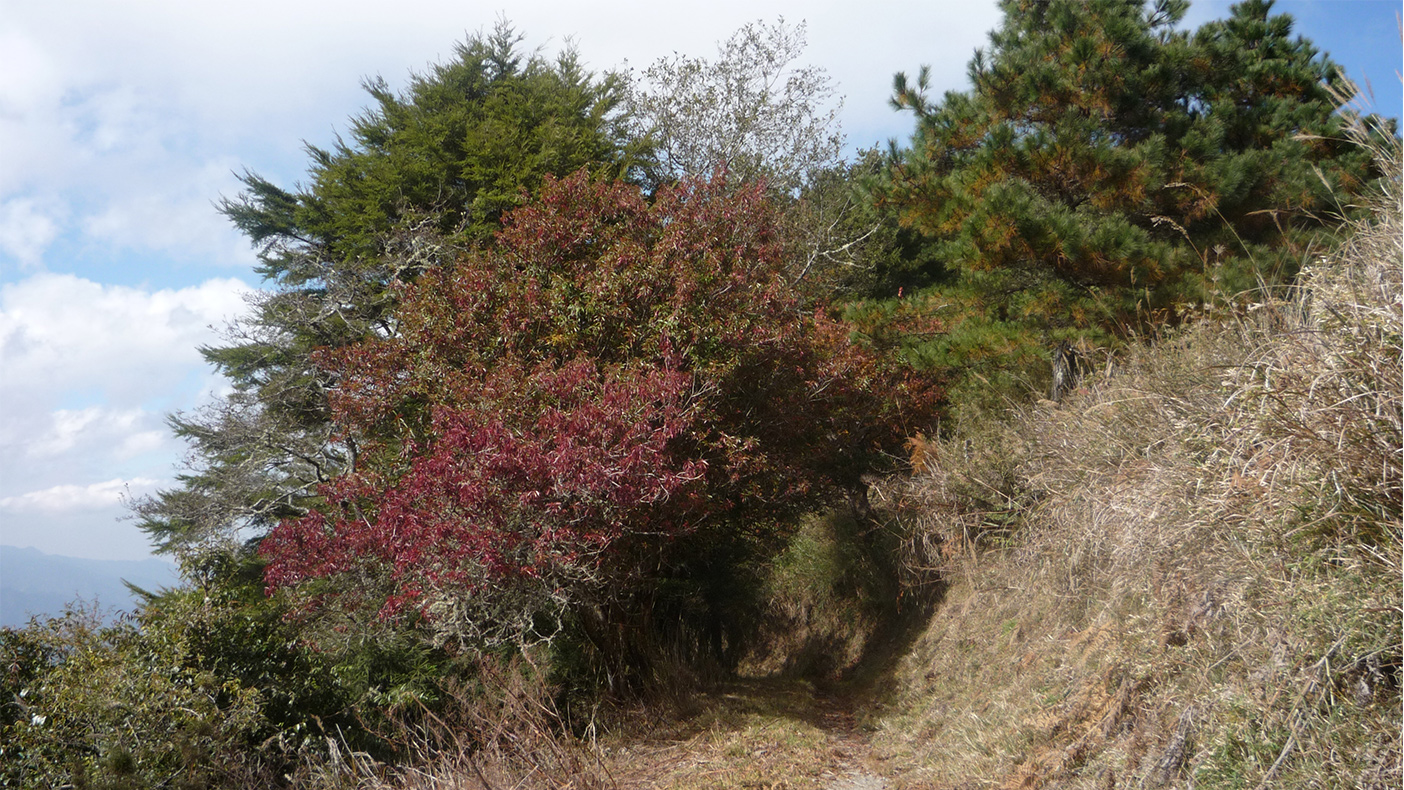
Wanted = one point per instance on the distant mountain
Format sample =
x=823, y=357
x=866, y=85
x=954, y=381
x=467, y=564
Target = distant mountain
x=35, y=583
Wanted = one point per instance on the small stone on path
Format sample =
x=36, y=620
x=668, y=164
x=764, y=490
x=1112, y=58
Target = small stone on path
x=858, y=780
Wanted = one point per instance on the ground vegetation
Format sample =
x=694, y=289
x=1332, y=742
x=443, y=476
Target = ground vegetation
x=550, y=462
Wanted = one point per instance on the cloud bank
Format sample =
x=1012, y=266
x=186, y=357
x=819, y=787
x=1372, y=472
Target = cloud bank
x=90, y=371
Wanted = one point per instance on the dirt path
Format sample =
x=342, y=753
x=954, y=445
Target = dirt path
x=856, y=760
x=757, y=734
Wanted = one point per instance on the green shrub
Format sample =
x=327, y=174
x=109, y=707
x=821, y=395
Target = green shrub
x=118, y=706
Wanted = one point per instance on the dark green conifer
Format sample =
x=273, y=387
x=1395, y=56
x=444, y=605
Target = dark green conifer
x=422, y=174
x=1108, y=169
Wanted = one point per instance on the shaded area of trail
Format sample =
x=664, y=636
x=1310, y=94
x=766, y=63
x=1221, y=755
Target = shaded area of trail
x=808, y=726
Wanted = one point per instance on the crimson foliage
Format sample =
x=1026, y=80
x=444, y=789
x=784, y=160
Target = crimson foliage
x=551, y=414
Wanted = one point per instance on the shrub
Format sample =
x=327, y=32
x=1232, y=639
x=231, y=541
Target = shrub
x=620, y=396
x=117, y=706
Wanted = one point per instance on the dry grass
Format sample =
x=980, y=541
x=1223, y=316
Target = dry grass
x=772, y=733
x=760, y=733
x=504, y=732
x=1189, y=570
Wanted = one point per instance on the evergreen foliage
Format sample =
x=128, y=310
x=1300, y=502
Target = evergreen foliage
x=138, y=703
x=423, y=174
x=462, y=145
x=1108, y=170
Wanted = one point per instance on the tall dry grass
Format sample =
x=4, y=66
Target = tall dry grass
x=1189, y=571
x=502, y=731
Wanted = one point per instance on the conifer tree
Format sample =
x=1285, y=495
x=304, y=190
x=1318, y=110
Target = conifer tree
x=423, y=175
x=1107, y=169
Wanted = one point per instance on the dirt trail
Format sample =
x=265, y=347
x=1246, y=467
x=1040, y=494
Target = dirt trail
x=855, y=761
x=780, y=733
x=759, y=734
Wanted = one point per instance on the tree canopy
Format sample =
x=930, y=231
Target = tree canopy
x=625, y=381
x=463, y=143
x=556, y=411
x=423, y=174
x=753, y=111
x=1107, y=168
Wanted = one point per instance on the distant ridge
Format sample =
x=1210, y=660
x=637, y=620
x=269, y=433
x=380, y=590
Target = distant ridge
x=35, y=583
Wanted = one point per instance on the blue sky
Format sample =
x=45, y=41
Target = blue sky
x=122, y=123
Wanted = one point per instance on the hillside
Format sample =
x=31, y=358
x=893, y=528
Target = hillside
x=551, y=460
x=34, y=583
x=1186, y=574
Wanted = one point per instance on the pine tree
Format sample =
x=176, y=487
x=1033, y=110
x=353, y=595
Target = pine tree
x=1108, y=169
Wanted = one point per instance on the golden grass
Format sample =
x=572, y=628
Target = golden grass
x=1189, y=571
x=747, y=734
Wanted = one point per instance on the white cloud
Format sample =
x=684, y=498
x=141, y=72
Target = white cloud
x=65, y=498
x=60, y=332
x=25, y=104
x=67, y=425
x=89, y=372
x=27, y=229
x=120, y=430
x=21, y=54
x=173, y=215
x=142, y=442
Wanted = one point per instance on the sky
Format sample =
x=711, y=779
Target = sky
x=122, y=123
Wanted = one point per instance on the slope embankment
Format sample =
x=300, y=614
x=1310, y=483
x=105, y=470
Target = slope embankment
x=1185, y=574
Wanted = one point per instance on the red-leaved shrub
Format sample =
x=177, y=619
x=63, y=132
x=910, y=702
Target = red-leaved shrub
x=553, y=412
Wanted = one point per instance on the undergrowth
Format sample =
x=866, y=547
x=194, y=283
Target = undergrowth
x=829, y=597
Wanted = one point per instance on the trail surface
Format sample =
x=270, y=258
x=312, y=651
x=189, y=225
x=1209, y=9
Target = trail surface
x=762, y=734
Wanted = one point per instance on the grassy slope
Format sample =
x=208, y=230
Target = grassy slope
x=1188, y=573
